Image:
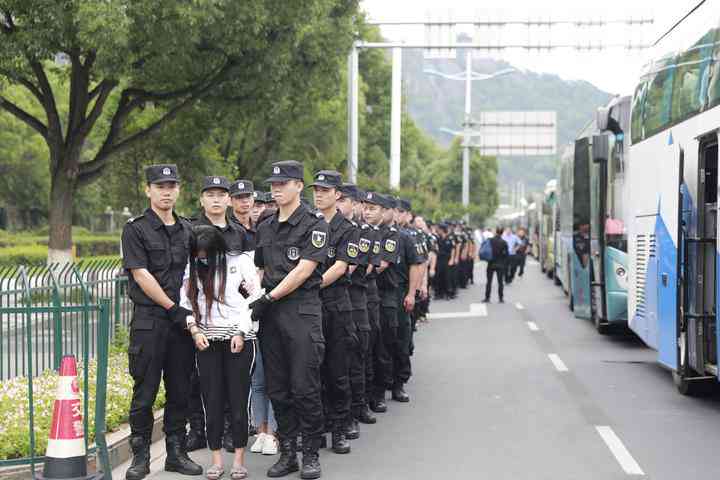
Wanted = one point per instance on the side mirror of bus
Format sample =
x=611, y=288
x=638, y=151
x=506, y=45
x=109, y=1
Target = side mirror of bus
x=602, y=114
x=600, y=148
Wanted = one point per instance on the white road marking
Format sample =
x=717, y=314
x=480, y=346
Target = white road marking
x=533, y=326
x=557, y=362
x=479, y=308
x=519, y=306
x=613, y=442
x=439, y=316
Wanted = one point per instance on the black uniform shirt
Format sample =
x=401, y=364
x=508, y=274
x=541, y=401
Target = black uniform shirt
x=388, y=280
x=364, y=236
x=233, y=233
x=341, y=246
x=249, y=233
x=281, y=245
x=445, y=247
x=147, y=243
x=407, y=255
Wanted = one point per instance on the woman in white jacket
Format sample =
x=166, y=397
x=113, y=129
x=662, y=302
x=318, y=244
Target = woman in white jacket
x=218, y=287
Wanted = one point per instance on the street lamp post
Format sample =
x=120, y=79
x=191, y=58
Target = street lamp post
x=468, y=76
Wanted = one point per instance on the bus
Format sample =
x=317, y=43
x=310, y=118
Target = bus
x=673, y=238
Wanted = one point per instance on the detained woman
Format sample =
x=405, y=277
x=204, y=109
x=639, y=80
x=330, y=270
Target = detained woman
x=218, y=288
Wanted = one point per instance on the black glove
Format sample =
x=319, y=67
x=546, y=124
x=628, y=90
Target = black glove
x=260, y=306
x=178, y=315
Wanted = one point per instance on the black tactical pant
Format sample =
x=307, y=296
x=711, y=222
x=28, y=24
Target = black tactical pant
x=494, y=269
x=442, y=280
x=402, y=369
x=379, y=371
x=340, y=340
x=358, y=361
x=293, y=348
x=158, y=350
x=388, y=336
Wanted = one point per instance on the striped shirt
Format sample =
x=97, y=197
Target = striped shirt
x=231, y=317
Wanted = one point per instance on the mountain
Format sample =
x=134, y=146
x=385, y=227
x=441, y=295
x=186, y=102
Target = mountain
x=434, y=102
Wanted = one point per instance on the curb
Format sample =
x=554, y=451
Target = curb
x=118, y=451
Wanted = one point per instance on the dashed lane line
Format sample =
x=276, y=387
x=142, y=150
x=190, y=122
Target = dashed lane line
x=557, y=362
x=617, y=448
x=476, y=310
x=533, y=326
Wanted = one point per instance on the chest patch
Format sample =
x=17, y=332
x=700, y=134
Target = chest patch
x=331, y=252
x=376, y=248
x=293, y=253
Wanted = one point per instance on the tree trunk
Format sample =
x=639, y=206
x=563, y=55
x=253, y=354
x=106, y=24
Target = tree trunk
x=62, y=192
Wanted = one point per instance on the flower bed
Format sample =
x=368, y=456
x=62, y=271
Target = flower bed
x=14, y=438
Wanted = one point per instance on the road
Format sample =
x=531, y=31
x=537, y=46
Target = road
x=523, y=390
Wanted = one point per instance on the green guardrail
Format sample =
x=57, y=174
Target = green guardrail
x=50, y=311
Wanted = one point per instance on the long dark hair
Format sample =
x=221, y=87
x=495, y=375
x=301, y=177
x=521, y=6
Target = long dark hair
x=208, y=239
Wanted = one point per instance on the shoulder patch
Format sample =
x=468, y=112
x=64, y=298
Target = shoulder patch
x=318, y=238
x=352, y=250
x=390, y=245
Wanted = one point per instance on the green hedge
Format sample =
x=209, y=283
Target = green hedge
x=23, y=255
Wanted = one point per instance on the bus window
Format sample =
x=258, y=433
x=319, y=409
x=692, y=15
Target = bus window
x=659, y=97
x=714, y=87
x=691, y=78
x=637, y=111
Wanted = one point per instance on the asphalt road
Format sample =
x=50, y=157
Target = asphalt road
x=496, y=397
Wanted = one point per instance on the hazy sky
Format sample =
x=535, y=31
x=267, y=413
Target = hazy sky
x=613, y=70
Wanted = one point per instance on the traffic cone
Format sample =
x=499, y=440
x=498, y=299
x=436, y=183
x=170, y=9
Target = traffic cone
x=65, y=457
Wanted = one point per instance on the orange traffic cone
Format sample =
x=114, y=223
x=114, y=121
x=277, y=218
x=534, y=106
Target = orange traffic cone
x=65, y=457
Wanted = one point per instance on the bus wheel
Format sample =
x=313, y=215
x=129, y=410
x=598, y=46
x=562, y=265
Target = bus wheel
x=693, y=388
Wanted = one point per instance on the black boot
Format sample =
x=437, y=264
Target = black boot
x=399, y=395
x=352, y=430
x=377, y=402
x=177, y=459
x=366, y=416
x=340, y=443
x=311, y=459
x=140, y=466
x=287, y=463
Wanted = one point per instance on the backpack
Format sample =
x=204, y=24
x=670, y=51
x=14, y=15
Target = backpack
x=486, y=252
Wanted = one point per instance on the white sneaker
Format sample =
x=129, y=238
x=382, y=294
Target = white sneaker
x=259, y=444
x=270, y=447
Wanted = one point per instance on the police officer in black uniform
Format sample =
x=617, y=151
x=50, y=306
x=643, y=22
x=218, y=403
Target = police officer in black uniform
x=242, y=198
x=155, y=249
x=291, y=244
x=338, y=327
x=445, y=252
x=409, y=268
x=379, y=374
x=214, y=199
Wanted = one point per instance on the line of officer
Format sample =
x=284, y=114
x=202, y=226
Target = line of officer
x=242, y=199
x=155, y=251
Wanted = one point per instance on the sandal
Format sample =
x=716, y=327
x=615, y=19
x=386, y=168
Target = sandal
x=214, y=472
x=238, y=472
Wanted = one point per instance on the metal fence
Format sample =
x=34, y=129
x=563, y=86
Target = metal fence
x=51, y=311
x=57, y=297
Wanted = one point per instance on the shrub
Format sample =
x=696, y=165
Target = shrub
x=14, y=435
x=23, y=255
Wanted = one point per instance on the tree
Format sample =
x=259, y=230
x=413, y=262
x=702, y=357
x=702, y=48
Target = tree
x=158, y=58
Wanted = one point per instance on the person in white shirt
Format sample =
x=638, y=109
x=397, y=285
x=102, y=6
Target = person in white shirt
x=218, y=287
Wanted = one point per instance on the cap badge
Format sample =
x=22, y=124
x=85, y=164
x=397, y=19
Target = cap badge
x=216, y=181
x=241, y=186
x=369, y=197
x=166, y=171
x=276, y=170
x=254, y=194
x=321, y=177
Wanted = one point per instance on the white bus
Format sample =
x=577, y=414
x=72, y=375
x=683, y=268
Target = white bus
x=673, y=196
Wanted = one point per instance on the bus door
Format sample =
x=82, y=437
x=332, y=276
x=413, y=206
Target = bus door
x=580, y=263
x=698, y=288
x=598, y=208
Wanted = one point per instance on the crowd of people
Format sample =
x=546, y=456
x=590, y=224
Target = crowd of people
x=273, y=314
x=507, y=252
